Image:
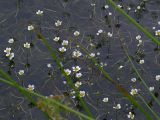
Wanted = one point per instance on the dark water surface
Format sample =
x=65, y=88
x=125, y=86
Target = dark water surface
x=83, y=16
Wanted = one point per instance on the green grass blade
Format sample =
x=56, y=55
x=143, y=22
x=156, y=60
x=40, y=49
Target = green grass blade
x=139, y=76
x=157, y=117
x=69, y=80
x=146, y=32
x=27, y=93
x=118, y=86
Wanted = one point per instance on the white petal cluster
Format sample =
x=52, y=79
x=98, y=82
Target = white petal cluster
x=133, y=79
x=56, y=39
x=27, y=45
x=11, y=40
x=30, y=27
x=76, y=54
x=158, y=77
x=65, y=42
x=100, y=31
x=117, y=107
x=67, y=71
x=31, y=87
x=21, y=72
x=78, y=75
x=82, y=93
x=76, y=68
x=141, y=61
x=130, y=115
x=157, y=32
x=76, y=33
x=105, y=99
x=134, y=92
x=58, y=23
x=49, y=65
x=151, y=88
x=109, y=34
x=62, y=49
x=9, y=54
x=39, y=12
x=78, y=84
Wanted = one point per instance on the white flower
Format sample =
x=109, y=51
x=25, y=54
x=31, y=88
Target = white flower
x=97, y=33
x=30, y=87
x=138, y=7
x=134, y=92
x=39, y=12
x=7, y=50
x=157, y=33
x=27, y=45
x=138, y=37
x=65, y=42
x=78, y=84
x=133, y=79
x=105, y=99
x=110, y=13
x=140, y=42
x=92, y=55
x=76, y=33
x=11, y=56
x=128, y=8
x=67, y=71
x=91, y=44
x=157, y=77
x=56, y=39
x=120, y=67
x=82, y=93
x=74, y=97
x=21, y=72
x=62, y=49
x=49, y=65
x=117, y=107
x=8, y=54
x=93, y=4
x=106, y=6
x=120, y=6
x=141, y=61
x=30, y=27
x=64, y=82
x=130, y=115
x=58, y=23
x=78, y=75
x=76, y=68
x=109, y=34
x=76, y=54
x=151, y=88
x=100, y=31
x=103, y=64
x=98, y=53
x=73, y=92
x=11, y=40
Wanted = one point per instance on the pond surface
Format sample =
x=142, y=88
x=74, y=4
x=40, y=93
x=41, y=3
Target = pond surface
x=103, y=32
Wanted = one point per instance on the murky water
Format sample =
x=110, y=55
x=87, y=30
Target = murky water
x=83, y=16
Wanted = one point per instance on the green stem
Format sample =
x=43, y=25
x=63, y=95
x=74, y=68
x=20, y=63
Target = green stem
x=154, y=113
